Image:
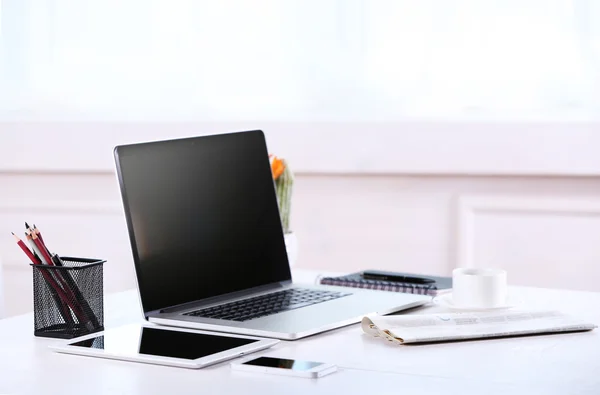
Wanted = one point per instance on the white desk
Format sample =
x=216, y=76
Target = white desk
x=555, y=364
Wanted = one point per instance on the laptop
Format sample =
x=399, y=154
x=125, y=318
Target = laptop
x=208, y=243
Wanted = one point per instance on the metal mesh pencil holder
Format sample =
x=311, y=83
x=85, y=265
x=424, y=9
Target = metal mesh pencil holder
x=68, y=299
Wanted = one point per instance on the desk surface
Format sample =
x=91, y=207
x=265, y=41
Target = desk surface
x=551, y=364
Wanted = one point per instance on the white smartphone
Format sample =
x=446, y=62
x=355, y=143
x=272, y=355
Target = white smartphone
x=285, y=367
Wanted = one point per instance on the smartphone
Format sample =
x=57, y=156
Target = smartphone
x=285, y=367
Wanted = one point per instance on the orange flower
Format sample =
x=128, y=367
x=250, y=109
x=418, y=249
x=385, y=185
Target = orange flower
x=277, y=166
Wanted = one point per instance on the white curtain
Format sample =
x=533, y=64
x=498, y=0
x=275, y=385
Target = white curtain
x=289, y=60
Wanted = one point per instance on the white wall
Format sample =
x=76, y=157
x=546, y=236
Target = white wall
x=535, y=216
x=411, y=147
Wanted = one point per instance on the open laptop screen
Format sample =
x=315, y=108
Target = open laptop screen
x=202, y=217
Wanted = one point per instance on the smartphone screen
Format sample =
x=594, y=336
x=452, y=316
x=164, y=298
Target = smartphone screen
x=281, y=363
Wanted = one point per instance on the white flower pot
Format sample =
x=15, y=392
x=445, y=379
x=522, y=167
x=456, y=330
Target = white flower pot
x=291, y=245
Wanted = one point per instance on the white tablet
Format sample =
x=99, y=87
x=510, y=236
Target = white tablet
x=180, y=347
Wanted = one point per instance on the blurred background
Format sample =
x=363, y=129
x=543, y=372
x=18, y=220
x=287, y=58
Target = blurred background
x=424, y=135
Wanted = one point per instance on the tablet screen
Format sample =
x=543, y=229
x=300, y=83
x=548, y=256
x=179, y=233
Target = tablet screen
x=135, y=340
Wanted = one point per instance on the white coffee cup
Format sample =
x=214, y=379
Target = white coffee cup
x=479, y=288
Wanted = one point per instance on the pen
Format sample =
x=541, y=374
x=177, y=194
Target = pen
x=396, y=278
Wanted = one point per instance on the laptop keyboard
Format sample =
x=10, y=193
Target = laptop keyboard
x=269, y=304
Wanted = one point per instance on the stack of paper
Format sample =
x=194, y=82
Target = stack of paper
x=404, y=329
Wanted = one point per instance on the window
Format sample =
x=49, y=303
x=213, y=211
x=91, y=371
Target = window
x=329, y=60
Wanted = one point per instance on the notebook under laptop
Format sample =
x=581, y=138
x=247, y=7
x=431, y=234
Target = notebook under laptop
x=208, y=244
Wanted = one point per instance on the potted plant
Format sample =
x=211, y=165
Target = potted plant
x=284, y=182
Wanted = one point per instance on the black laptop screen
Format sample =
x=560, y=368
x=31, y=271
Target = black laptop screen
x=202, y=216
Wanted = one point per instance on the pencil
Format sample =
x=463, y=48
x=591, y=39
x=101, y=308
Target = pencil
x=59, y=298
x=35, y=231
x=68, y=290
x=42, y=249
x=39, y=234
x=76, y=291
x=63, y=277
x=26, y=250
x=55, y=276
x=34, y=247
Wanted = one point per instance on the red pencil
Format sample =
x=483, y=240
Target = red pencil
x=83, y=318
x=32, y=246
x=35, y=231
x=39, y=234
x=45, y=256
x=48, y=259
x=49, y=279
x=26, y=250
